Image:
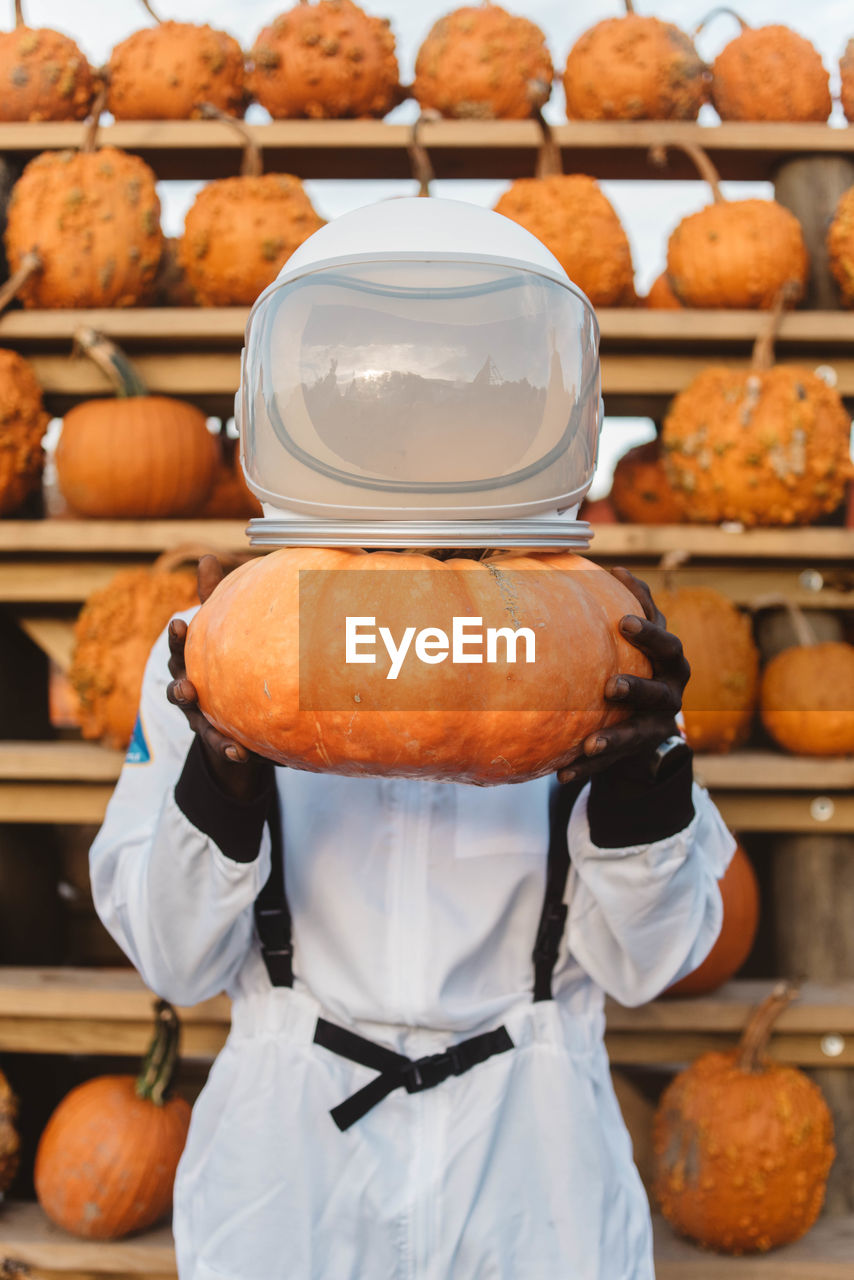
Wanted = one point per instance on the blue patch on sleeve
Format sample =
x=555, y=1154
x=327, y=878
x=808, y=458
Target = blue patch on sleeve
x=138, y=752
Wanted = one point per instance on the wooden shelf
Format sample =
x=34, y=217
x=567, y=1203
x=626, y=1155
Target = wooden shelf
x=29, y=1240
x=109, y=1011
x=467, y=149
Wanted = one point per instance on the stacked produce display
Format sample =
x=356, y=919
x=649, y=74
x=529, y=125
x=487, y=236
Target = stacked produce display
x=133, y=340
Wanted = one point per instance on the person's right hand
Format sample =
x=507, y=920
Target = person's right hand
x=238, y=771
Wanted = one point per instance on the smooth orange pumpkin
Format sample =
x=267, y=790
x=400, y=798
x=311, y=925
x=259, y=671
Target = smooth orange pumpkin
x=23, y=422
x=720, y=698
x=106, y=1162
x=268, y=663
x=743, y=1146
x=740, y=893
x=230, y=498
x=483, y=63
x=43, y=73
x=806, y=699
x=641, y=493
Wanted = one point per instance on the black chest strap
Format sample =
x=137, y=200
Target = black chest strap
x=554, y=912
x=272, y=913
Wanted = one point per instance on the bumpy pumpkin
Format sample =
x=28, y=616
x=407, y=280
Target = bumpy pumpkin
x=846, y=76
x=113, y=636
x=10, y=1141
x=720, y=698
x=641, y=492
x=770, y=73
x=44, y=75
x=483, y=64
x=634, y=68
x=740, y=893
x=164, y=72
x=106, y=1162
x=661, y=296
x=134, y=456
x=230, y=498
x=486, y=724
x=93, y=219
x=239, y=233
x=328, y=60
x=764, y=446
x=23, y=422
x=743, y=1146
x=840, y=247
x=806, y=697
x=574, y=219
x=735, y=253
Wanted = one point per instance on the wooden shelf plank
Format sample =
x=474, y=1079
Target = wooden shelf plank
x=59, y=762
x=111, y=537
x=825, y=1253
x=458, y=148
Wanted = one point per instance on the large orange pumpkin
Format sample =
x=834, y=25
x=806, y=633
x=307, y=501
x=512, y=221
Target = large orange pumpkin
x=266, y=654
x=840, y=246
x=164, y=72
x=740, y=893
x=106, y=1162
x=735, y=253
x=634, y=68
x=136, y=455
x=23, y=422
x=770, y=73
x=44, y=75
x=113, y=636
x=328, y=60
x=483, y=64
x=743, y=1146
x=720, y=697
x=806, y=696
x=641, y=492
x=93, y=220
x=846, y=77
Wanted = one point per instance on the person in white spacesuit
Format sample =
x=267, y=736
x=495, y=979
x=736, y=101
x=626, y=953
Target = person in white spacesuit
x=415, y=1086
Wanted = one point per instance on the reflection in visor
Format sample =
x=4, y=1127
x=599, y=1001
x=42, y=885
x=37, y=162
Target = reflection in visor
x=416, y=389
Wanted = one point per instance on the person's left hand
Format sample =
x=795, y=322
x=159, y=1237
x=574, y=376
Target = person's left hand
x=653, y=702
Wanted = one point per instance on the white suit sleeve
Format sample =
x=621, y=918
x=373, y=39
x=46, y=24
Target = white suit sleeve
x=643, y=916
x=177, y=905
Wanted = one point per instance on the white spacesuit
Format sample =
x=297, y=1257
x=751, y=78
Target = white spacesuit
x=415, y=1085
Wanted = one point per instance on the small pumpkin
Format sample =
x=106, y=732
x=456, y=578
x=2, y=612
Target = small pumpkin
x=44, y=75
x=720, y=697
x=230, y=498
x=743, y=1146
x=113, y=636
x=483, y=63
x=83, y=230
x=269, y=663
x=23, y=422
x=740, y=894
x=840, y=246
x=735, y=253
x=769, y=73
x=134, y=456
x=325, y=61
x=597, y=511
x=641, y=492
x=846, y=77
x=164, y=72
x=806, y=696
x=661, y=296
x=634, y=68
x=239, y=232
x=106, y=1161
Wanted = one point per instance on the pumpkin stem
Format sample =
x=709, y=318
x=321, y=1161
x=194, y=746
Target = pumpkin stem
x=252, y=165
x=549, y=161
x=111, y=360
x=419, y=158
x=704, y=166
x=90, y=137
x=763, y=348
x=31, y=262
x=19, y=14
x=630, y=8
x=802, y=627
x=159, y=1065
x=745, y=26
x=757, y=1033
x=148, y=9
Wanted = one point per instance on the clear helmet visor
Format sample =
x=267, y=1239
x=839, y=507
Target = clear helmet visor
x=420, y=389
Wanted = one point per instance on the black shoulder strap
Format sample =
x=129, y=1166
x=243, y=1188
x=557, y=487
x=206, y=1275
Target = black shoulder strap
x=272, y=913
x=554, y=913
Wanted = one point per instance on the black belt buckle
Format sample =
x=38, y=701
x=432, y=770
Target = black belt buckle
x=426, y=1073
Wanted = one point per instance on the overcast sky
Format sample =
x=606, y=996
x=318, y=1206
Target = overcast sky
x=649, y=211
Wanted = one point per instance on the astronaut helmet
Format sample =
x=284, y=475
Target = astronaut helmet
x=422, y=372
